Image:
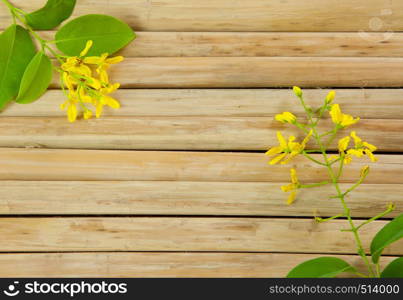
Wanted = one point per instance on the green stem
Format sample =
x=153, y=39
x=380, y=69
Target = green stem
x=334, y=179
x=320, y=220
x=389, y=210
x=312, y=159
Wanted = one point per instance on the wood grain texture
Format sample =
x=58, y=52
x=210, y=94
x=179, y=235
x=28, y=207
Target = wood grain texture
x=252, y=15
x=178, y=133
x=184, y=234
x=257, y=72
x=187, y=198
x=207, y=265
x=69, y=164
x=304, y=44
x=366, y=103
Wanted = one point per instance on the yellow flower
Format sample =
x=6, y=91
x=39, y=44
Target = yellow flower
x=292, y=187
x=286, y=117
x=330, y=97
x=85, y=86
x=361, y=148
x=297, y=91
x=287, y=150
x=343, y=120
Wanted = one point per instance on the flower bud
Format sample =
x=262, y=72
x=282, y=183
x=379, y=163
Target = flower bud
x=330, y=97
x=297, y=91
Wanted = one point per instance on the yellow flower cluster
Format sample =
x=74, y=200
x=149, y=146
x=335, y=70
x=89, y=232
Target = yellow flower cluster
x=85, y=80
x=287, y=150
x=360, y=148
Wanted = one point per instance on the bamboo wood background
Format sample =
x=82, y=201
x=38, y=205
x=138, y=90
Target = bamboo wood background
x=175, y=183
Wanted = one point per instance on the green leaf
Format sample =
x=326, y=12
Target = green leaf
x=108, y=34
x=16, y=51
x=390, y=233
x=36, y=79
x=51, y=15
x=322, y=267
x=394, y=269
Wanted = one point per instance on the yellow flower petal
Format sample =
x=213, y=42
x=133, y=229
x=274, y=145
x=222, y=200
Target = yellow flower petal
x=99, y=109
x=274, y=151
x=291, y=197
x=114, y=60
x=276, y=159
x=336, y=114
x=286, y=117
x=87, y=114
x=343, y=143
x=370, y=155
x=294, y=178
x=72, y=113
x=282, y=141
x=87, y=48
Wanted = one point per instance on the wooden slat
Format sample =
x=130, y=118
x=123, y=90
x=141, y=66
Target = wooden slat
x=153, y=265
x=248, y=72
x=177, y=133
x=196, y=44
x=187, y=198
x=183, y=234
x=44, y=164
x=304, y=44
x=366, y=103
x=252, y=15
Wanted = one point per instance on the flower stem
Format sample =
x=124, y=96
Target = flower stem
x=334, y=179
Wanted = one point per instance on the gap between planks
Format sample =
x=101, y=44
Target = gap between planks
x=183, y=234
x=161, y=264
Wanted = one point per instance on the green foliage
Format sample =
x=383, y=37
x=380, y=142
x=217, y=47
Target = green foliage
x=108, y=34
x=16, y=51
x=394, y=269
x=36, y=79
x=322, y=267
x=390, y=233
x=51, y=15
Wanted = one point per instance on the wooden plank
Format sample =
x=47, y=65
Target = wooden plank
x=183, y=234
x=253, y=72
x=303, y=44
x=366, y=103
x=187, y=198
x=177, y=133
x=153, y=265
x=253, y=15
x=55, y=165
